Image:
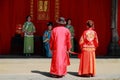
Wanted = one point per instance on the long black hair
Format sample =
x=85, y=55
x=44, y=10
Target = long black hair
x=27, y=17
x=49, y=24
x=90, y=23
x=67, y=20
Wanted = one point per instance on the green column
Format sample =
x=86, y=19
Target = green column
x=114, y=49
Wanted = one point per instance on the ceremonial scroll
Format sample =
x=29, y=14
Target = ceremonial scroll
x=43, y=9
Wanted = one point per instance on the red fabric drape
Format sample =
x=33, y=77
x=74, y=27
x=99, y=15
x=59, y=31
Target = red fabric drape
x=4, y=32
x=82, y=10
x=14, y=12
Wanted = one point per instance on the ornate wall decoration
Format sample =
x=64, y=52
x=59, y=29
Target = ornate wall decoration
x=40, y=9
x=31, y=8
x=57, y=7
x=43, y=8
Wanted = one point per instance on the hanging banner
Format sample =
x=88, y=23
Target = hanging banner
x=43, y=8
x=40, y=9
x=57, y=7
x=31, y=8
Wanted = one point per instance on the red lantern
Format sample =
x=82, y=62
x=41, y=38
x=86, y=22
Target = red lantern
x=19, y=29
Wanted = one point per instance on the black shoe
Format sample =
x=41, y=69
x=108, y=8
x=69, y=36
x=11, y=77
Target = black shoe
x=91, y=75
x=56, y=76
x=85, y=75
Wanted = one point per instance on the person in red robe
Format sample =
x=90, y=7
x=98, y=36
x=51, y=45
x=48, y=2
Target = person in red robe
x=60, y=45
x=88, y=44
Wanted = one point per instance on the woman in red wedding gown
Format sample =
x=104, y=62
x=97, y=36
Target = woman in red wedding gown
x=88, y=44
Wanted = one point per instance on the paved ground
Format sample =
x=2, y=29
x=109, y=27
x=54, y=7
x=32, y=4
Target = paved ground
x=38, y=69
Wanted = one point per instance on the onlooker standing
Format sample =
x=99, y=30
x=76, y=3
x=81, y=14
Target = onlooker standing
x=70, y=27
x=29, y=30
x=46, y=38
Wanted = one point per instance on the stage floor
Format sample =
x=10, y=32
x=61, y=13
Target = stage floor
x=38, y=69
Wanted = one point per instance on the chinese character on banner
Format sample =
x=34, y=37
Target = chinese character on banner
x=57, y=7
x=43, y=8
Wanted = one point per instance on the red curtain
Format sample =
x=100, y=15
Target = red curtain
x=5, y=32
x=14, y=12
x=97, y=10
